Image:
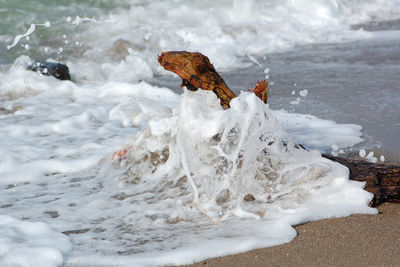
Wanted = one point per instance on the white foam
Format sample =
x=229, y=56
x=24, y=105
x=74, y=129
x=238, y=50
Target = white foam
x=315, y=133
x=24, y=243
x=31, y=30
x=231, y=33
x=78, y=20
x=295, y=102
x=179, y=189
x=303, y=93
x=50, y=110
x=370, y=155
x=242, y=151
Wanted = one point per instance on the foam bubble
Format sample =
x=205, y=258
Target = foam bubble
x=295, y=102
x=362, y=153
x=303, y=93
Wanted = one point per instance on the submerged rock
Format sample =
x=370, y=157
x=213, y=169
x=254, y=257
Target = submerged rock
x=57, y=70
x=5, y=111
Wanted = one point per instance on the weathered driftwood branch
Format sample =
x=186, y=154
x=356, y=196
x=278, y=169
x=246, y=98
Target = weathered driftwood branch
x=197, y=72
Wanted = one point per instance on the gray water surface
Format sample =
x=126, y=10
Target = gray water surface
x=355, y=82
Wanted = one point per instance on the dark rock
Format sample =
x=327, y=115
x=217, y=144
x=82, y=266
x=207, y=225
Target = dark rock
x=120, y=196
x=53, y=214
x=5, y=111
x=76, y=232
x=249, y=197
x=57, y=70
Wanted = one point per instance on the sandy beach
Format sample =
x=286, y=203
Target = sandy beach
x=357, y=240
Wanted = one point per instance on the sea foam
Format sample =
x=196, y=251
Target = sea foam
x=196, y=181
x=31, y=244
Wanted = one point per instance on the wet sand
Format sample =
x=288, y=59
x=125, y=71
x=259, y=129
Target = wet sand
x=357, y=240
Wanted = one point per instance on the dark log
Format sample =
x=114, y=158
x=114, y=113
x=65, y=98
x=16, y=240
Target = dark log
x=57, y=70
x=197, y=72
x=382, y=180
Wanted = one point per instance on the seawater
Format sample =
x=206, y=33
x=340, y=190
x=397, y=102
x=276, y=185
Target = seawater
x=193, y=181
x=101, y=32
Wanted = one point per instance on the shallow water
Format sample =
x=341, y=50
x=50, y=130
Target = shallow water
x=355, y=82
x=190, y=180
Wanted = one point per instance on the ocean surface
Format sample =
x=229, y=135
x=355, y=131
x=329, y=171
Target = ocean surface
x=122, y=167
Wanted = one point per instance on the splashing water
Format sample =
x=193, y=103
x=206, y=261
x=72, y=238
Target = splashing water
x=31, y=29
x=202, y=177
x=227, y=156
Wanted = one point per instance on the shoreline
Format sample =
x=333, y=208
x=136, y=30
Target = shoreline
x=350, y=241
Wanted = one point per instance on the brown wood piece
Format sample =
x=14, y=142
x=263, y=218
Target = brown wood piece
x=261, y=91
x=196, y=72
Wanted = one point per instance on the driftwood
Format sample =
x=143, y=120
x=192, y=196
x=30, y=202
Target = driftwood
x=197, y=72
x=382, y=180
